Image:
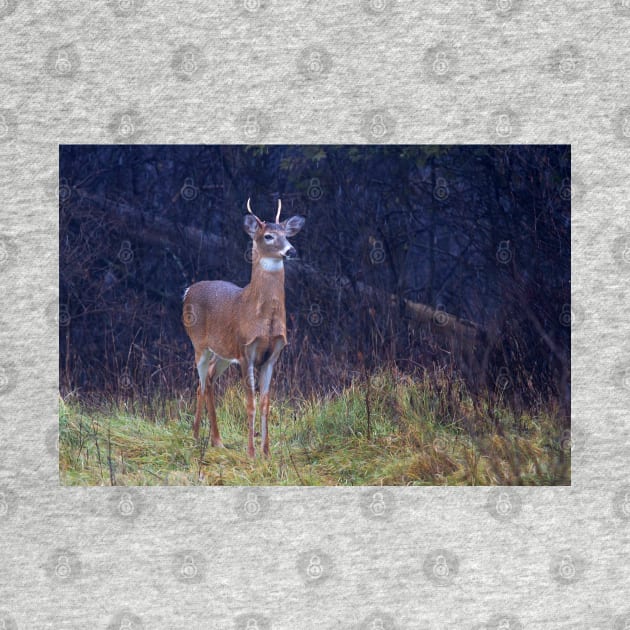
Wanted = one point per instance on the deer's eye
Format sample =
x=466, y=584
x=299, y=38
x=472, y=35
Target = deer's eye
x=268, y=237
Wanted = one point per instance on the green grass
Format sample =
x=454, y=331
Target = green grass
x=419, y=433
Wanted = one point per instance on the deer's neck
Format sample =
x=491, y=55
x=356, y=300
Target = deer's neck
x=272, y=264
x=267, y=280
x=262, y=303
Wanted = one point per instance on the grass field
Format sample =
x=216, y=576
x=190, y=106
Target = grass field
x=394, y=431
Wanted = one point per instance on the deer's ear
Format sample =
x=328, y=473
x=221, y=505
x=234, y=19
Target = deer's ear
x=250, y=225
x=293, y=225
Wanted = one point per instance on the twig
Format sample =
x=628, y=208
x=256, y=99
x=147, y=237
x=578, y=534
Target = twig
x=112, y=476
x=98, y=450
x=202, y=446
x=368, y=409
x=297, y=472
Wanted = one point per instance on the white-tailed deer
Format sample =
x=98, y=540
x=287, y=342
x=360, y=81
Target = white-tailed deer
x=227, y=324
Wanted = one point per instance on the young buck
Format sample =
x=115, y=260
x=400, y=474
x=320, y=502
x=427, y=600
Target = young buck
x=227, y=324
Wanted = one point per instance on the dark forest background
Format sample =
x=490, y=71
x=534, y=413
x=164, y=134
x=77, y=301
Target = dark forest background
x=449, y=259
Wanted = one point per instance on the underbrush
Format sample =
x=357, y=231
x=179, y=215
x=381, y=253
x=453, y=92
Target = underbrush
x=391, y=429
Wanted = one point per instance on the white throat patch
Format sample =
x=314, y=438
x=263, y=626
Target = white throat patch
x=272, y=264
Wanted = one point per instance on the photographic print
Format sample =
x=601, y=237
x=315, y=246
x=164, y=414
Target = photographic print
x=349, y=315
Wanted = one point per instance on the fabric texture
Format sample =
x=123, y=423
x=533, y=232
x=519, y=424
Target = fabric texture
x=257, y=71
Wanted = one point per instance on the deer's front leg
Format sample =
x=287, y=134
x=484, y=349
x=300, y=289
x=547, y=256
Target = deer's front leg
x=247, y=367
x=266, y=372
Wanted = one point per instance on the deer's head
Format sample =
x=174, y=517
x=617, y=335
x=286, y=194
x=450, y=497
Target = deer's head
x=271, y=239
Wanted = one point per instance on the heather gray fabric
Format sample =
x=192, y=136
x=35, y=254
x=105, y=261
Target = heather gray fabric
x=303, y=72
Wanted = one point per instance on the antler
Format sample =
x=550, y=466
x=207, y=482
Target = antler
x=278, y=213
x=249, y=209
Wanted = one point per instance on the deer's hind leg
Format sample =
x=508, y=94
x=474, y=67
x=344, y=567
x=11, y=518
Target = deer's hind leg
x=202, y=361
x=216, y=368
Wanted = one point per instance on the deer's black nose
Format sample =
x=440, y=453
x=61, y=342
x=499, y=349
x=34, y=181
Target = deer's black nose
x=291, y=253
